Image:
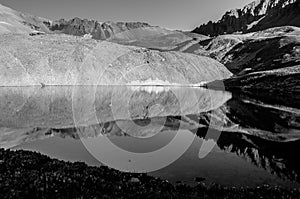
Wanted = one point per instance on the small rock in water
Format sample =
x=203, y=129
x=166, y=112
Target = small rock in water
x=199, y=179
x=134, y=180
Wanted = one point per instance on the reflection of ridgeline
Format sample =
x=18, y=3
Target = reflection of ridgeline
x=264, y=134
x=139, y=128
x=267, y=121
x=280, y=158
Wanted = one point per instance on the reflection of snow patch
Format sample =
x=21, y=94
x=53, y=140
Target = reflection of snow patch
x=150, y=82
x=151, y=89
x=200, y=84
x=159, y=83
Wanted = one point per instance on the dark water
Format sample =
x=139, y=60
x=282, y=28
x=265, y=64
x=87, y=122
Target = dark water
x=177, y=134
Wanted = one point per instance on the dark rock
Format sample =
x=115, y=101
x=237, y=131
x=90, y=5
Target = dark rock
x=199, y=179
x=36, y=33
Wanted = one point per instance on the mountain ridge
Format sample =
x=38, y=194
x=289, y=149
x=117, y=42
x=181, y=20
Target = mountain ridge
x=97, y=30
x=256, y=16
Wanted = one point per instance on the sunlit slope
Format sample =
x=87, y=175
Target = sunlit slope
x=269, y=49
x=152, y=37
x=12, y=21
x=69, y=60
x=128, y=33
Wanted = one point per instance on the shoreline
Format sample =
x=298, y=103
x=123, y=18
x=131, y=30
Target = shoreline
x=30, y=174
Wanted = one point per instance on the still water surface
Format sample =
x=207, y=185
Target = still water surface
x=174, y=133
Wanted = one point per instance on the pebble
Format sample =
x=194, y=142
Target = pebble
x=134, y=180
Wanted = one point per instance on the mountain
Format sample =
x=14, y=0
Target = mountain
x=100, y=31
x=126, y=33
x=74, y=52
x=258, y=15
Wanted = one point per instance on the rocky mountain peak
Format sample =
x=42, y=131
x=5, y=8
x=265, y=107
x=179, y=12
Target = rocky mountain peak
x=98, y=30
x=258, y=15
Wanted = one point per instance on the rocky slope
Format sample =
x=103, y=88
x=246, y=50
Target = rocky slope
x=265, y=63
x=129, y=33
x=12, y=21
x=270, y=49
x=258, y=15
x=69, y=60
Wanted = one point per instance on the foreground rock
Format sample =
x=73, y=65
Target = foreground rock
x=28, y=174
x=69, y=60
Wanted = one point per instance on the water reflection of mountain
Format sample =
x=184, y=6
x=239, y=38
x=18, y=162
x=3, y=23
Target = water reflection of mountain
x=251, y=130
x=279, y=158
x=30, y=113
x=266, y=135
x=269, y=135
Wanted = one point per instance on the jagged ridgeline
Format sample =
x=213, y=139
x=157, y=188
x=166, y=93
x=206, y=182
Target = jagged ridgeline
x=97, y=30
x=258, y=15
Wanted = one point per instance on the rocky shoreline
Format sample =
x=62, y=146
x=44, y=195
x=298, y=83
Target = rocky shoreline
x=27, y=174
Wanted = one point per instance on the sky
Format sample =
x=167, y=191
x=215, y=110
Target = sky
x=172, y=14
